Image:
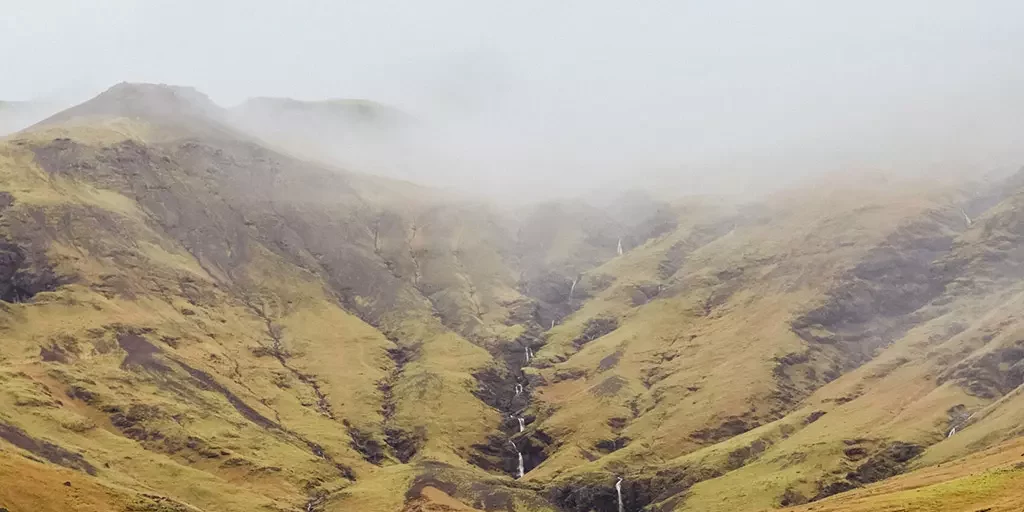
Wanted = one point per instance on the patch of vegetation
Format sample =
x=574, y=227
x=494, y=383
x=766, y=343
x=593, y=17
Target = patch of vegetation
x=595, y=328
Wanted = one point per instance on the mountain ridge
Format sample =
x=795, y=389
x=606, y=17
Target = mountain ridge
x=180, y=299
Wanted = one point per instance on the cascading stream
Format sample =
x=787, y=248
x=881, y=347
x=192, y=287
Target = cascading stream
x=522, y=424
x=618, y=490
x=520, y=472
x=966, y=217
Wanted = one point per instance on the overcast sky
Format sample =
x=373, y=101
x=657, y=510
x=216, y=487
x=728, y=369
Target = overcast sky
x=555, y=91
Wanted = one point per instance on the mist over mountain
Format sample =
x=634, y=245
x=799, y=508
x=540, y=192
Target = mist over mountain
x=534, y=99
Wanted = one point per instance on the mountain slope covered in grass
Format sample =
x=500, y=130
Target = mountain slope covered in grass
x=192, y=319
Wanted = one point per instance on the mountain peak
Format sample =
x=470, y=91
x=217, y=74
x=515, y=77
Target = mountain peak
x=160, y=104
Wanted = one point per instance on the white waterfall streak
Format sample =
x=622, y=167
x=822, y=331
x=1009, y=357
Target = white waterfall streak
x=966, y=218
x=618, y=490
x=520, y=471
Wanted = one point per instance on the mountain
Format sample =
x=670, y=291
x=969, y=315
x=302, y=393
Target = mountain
x=354, y=134
x=196, y=317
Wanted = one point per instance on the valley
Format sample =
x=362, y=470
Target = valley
x=200, y=314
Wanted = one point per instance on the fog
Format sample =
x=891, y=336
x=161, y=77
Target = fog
x=537, y=99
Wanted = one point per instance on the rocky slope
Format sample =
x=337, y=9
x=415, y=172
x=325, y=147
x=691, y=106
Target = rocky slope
x=192, y=320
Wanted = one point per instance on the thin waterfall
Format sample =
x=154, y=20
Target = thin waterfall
x=951, y=432
x=526, y=350
x=522, y=425
x=966, y=218
x=618, y=490
x=573, y=287
x=620, y=246
x=552, y=323
x=519, y=389
x=520, y=455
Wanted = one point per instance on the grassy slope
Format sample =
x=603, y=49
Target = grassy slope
x=718, y=356
x=899, y=396
x=291, y=292
x=988, y=480
x=216, y=331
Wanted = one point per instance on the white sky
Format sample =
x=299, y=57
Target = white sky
x=552, y=91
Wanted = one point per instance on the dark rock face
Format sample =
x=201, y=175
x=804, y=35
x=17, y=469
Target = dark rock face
x=364, y=442
x=46, y=450
x=587, y=498
x=610, y=386
x=643, y=293
x=21, y=278
x=594, y=328
x=610, y=361
x=405, y=444
x=492, y=495
x=496, y=455
x=791, y=497
x=889, y=462
x=741, y=456
x=833, y=488
x=731, y=427
x=991, y=375
x=814, y=416
x=611, y=445
x=875, y=299
x=638, y=492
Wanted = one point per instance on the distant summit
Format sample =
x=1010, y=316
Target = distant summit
x=358, y=134
x=167, y=106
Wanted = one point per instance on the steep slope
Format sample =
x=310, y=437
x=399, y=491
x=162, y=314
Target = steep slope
x=182, y=301
x=705, y=398
x=194, y=321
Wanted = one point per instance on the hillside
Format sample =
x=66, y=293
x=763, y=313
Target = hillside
x=194, y=317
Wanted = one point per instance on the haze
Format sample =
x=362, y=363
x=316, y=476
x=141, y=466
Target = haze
x=536, y=99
